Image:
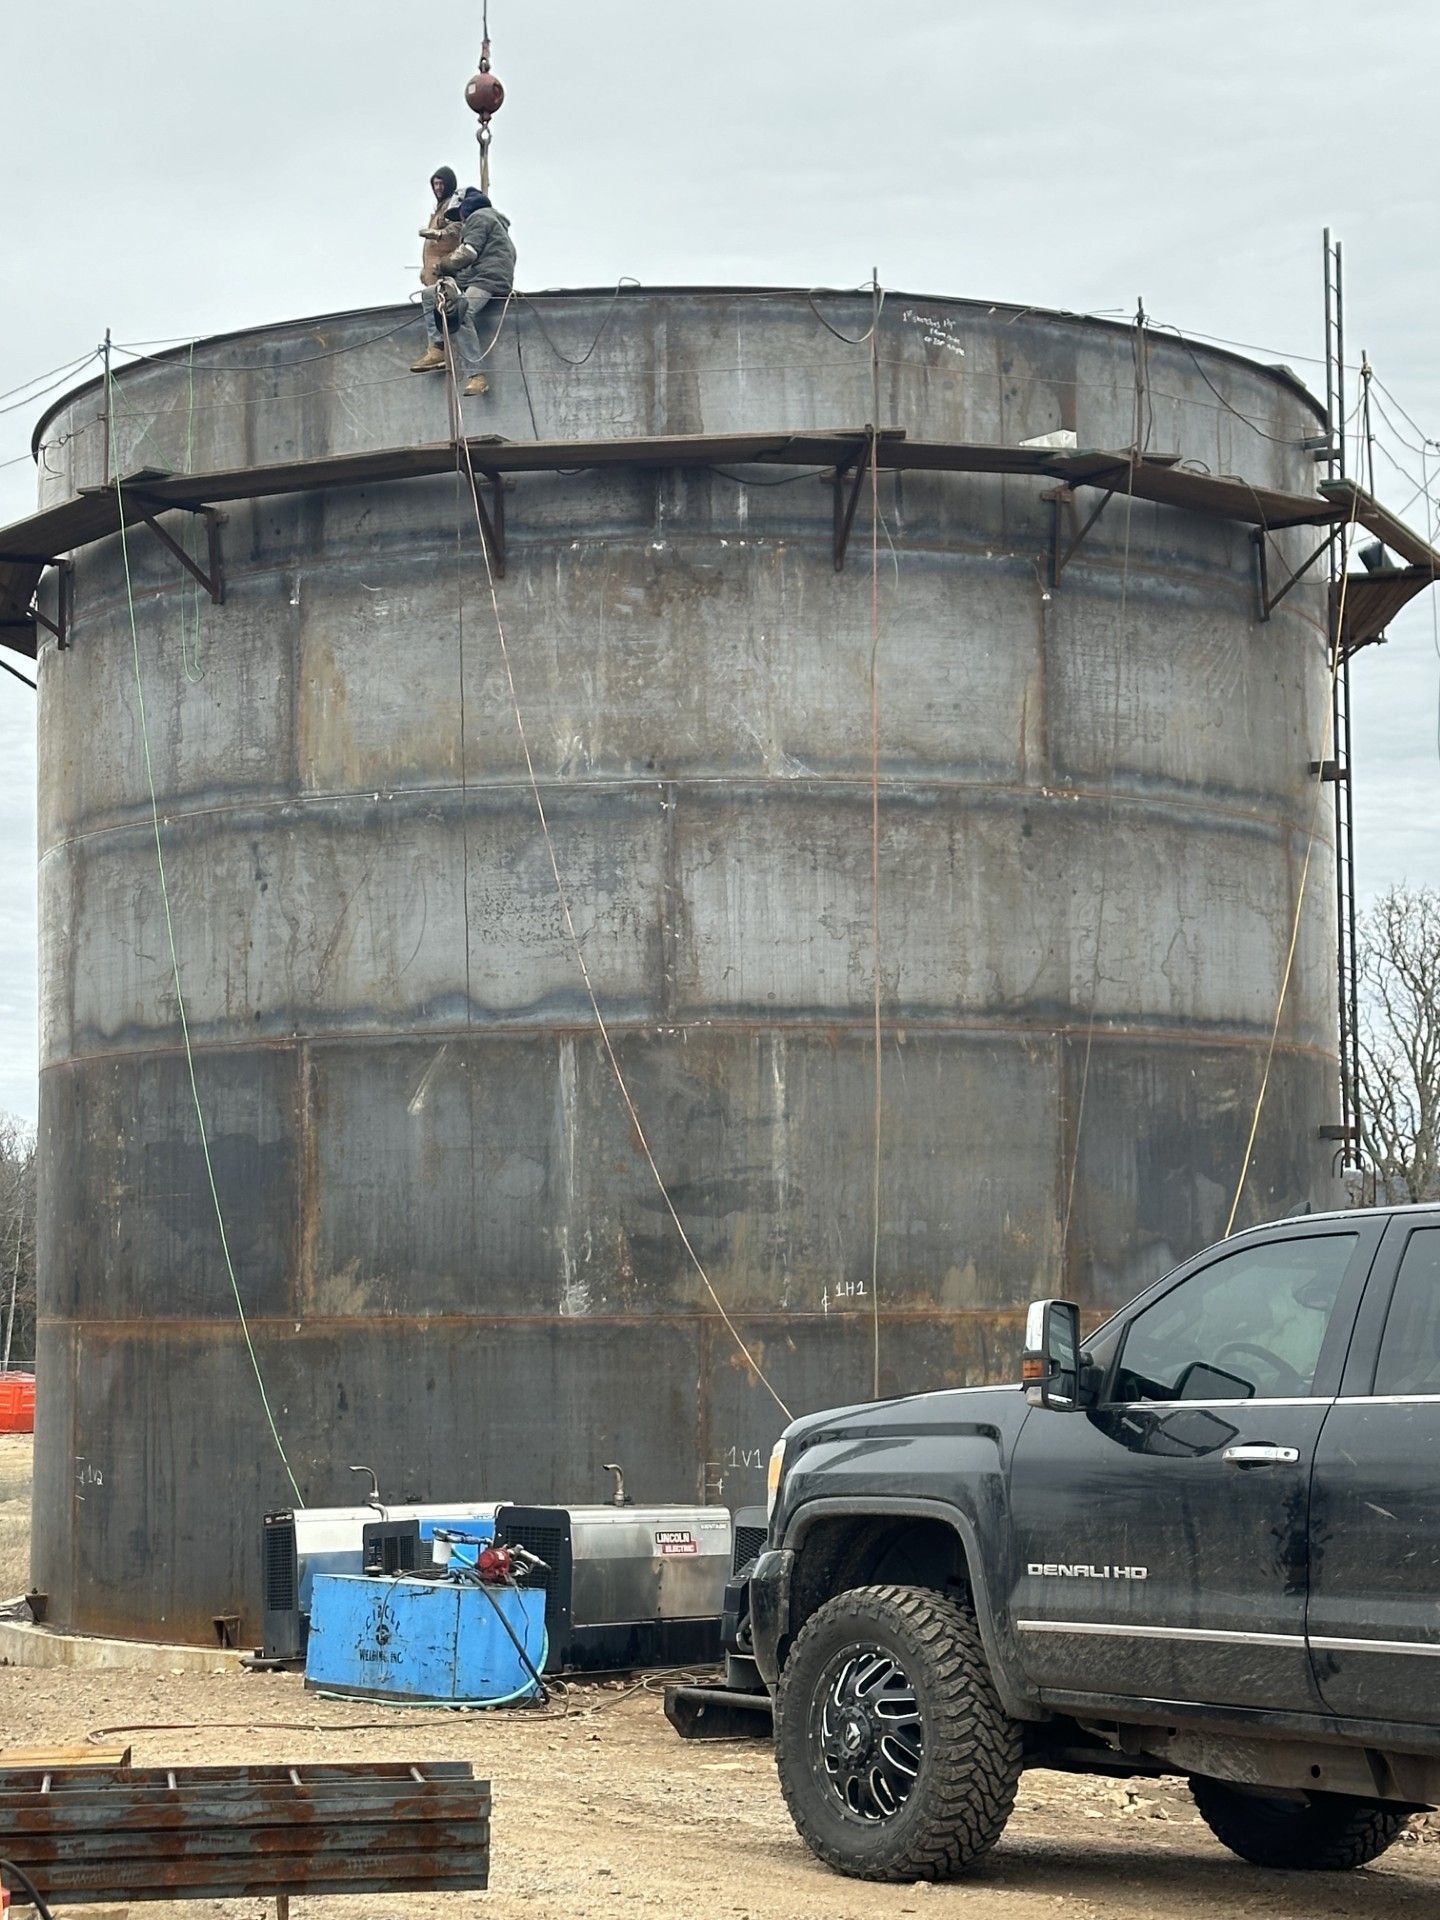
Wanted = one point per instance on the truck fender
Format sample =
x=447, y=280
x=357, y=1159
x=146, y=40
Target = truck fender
x=995, y=1637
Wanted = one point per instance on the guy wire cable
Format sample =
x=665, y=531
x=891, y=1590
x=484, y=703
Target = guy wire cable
x=63, y=373
x=174, y=951
x=876, y=303
x=572, y=933
x=1327, y=739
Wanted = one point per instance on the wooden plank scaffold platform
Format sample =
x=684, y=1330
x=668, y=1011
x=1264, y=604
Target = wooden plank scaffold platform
x=30, y=546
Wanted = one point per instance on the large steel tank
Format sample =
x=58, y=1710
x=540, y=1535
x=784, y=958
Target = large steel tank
x=1095, y=801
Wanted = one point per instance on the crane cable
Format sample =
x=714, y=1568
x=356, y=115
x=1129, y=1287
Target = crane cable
x=561, y=891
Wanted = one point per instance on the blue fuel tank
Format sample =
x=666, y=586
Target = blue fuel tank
x=439, y=1642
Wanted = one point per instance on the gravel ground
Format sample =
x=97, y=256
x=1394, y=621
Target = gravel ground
x=16, y=1452
x=600, y=1810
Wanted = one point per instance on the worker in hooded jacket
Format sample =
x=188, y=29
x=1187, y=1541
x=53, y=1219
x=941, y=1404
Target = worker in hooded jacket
x=481, y=269
x=440, y=233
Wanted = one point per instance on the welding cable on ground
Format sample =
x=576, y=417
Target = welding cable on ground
x=27, y=1887
x=143, y=718
x=563, y=897
x=542, y=1691
x=1327, y=742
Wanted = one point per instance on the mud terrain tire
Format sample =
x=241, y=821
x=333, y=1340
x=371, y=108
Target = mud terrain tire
x=1325, y=1831
x=896, y=1758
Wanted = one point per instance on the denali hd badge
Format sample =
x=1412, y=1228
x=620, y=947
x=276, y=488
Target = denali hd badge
x=1061, y=1570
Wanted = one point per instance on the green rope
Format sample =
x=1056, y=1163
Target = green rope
x=174, y=954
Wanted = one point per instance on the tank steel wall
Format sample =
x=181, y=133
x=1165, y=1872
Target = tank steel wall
x=456, y=1262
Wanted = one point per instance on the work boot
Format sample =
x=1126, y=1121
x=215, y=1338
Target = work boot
x=430, y=361
x=477, y=383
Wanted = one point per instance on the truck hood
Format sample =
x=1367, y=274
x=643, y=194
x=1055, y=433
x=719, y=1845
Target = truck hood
x=1003, y=1407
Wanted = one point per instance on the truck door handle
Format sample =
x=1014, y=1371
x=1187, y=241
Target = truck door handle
x=1261, y=1456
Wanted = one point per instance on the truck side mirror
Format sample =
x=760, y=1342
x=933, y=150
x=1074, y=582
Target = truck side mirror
x=1050, y=1367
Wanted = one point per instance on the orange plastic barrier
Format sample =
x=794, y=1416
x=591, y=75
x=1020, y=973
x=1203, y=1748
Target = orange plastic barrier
x=17, y=1403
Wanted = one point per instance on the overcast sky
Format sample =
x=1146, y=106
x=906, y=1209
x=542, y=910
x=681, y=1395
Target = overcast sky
x=170, y=169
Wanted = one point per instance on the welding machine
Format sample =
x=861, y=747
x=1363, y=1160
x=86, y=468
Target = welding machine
x=295, y=1546
x=626, y=1586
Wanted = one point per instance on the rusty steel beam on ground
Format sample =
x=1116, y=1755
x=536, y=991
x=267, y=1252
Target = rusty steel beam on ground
x=205, y=1833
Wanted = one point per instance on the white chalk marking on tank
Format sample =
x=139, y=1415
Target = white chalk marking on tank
x=295, y=589
x=575, y=1296
x=781, y=1158
x=422, y=1090
x=1384, y=1512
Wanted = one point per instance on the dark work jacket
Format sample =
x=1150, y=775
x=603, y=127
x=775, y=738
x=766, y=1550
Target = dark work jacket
x=493, y=268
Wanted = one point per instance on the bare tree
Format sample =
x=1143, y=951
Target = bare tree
x=17, y=1243
x=1399, y=962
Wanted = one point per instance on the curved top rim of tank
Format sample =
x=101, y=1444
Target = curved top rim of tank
x=1282, y=375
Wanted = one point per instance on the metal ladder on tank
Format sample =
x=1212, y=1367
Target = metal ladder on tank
x=1338, y=768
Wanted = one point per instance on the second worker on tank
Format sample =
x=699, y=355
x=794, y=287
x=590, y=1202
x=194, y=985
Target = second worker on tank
x=481, y=269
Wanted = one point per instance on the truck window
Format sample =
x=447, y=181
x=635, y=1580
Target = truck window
x=1410, y=1349
x=1247, y=1327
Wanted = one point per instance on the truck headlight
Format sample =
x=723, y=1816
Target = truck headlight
x=773, y=1476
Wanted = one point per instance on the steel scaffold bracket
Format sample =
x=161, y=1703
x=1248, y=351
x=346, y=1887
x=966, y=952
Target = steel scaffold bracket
x=212, y=581
x=492, y=520
x=33, y=617
x=1062, y=499
x=847, y=479
x=1266, y=601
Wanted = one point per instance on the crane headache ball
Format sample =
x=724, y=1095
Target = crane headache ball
x=484, y=94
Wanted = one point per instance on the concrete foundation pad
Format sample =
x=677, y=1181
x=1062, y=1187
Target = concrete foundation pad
x=23, y=1644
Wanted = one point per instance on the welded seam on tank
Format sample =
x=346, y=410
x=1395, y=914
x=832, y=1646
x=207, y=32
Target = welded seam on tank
x=572, y=932
x=1327, y=741
x=1125, y=1030
x=1197, y=573
x=175, y=956
x=1193, y=806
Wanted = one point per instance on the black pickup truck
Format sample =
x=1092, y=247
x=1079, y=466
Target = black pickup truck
x=1205, y=1542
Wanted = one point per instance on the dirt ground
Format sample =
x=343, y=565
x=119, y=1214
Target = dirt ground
x=16, y=1452
x=600, y=1810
